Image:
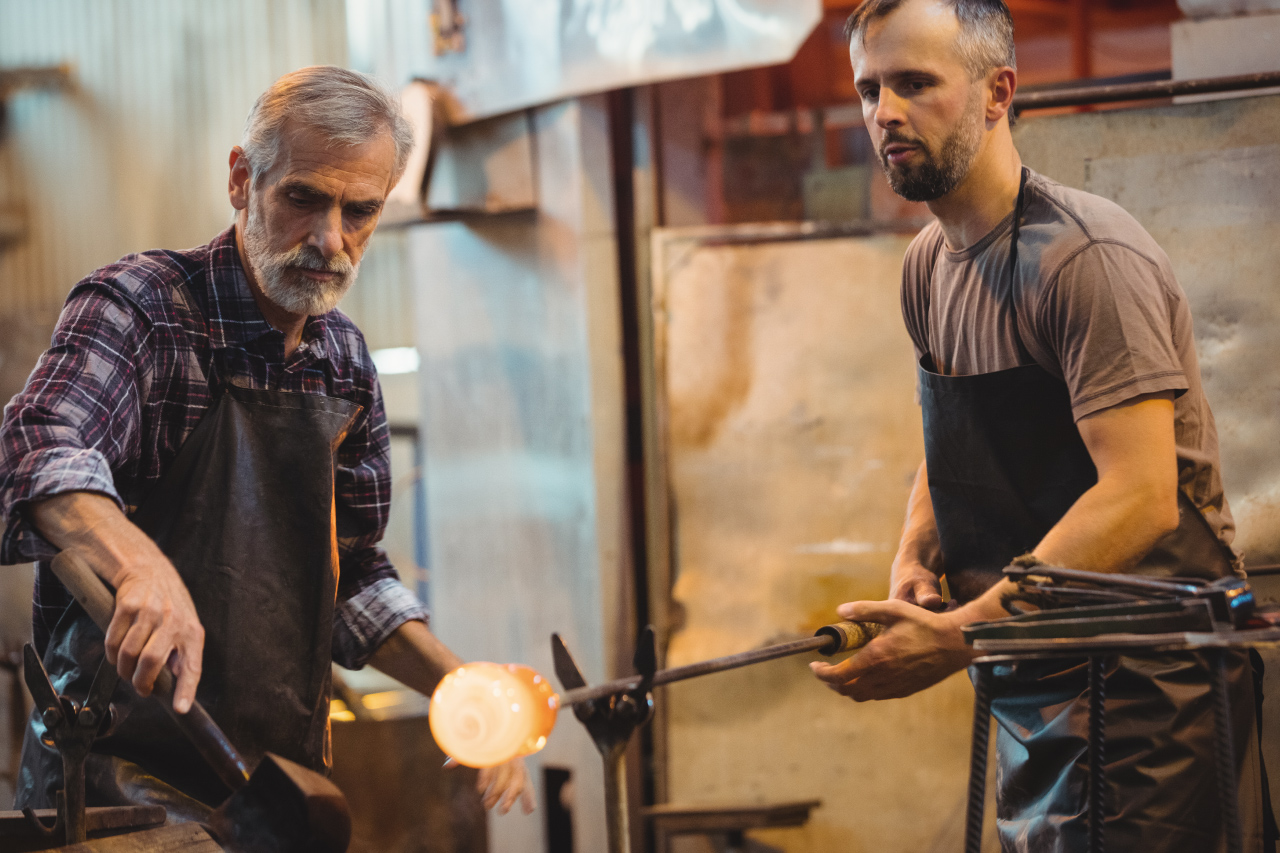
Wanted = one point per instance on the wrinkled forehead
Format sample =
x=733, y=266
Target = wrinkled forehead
x=919, y=34
x=311, y=156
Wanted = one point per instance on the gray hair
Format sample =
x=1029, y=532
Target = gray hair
x=986, y=31
x=348, y=107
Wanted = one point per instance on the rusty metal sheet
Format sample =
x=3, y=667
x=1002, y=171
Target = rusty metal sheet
x=791, y=437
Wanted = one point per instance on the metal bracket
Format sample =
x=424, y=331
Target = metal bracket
x=611, y=720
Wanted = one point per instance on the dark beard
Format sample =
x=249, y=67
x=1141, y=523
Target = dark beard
x=935, y=176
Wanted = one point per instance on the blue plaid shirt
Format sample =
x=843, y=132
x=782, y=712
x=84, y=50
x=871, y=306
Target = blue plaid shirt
x=124, y=384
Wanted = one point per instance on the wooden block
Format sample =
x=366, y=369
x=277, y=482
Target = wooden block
x=179, y=838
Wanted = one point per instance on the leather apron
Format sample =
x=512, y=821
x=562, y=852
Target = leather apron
x=246, y=515
x=1005, y=463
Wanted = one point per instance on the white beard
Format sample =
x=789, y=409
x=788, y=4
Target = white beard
x=278, y=272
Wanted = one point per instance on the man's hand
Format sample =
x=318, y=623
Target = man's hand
x=154, y=624
x=913, y=583
x=504, y=784
x=155, y=621
x=918, y=649
x=414, y=656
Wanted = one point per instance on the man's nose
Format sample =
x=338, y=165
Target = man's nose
x=890, y=110
x=326, y=232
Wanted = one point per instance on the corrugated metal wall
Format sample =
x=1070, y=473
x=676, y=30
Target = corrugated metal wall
x=136, y=156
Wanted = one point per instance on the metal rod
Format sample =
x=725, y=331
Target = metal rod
x=1118, y=581
x=693, y=670
x=74, y=828
x=1224, y=751
x=1097, y=753
x=1143, y=91
x=617, y=820
x=981, y=677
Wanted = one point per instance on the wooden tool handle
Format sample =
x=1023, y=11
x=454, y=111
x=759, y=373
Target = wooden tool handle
x=848, y=636
x=97, y=600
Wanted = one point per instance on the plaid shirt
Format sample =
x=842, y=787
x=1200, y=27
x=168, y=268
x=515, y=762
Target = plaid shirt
x=124, y=384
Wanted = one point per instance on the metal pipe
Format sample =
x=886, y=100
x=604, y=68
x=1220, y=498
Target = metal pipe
x=1143, y=91
x=617, y=819
x=693, y=670
x=72, y=794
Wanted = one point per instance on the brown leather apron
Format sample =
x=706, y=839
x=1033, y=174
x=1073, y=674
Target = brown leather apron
x=246, y=514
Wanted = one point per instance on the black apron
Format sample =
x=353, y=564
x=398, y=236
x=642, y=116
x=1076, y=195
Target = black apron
x=246, y=515
x=1005, y=463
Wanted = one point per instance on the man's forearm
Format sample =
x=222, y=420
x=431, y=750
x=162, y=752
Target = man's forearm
x=93, y=522
x=155, y=622
x=919, y=543
x=913, y=577
x=415, y=657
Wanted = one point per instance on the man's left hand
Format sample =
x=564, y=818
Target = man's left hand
x=918, y=649
x=503, y=785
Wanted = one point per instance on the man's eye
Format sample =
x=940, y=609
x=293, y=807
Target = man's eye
x=870, y=94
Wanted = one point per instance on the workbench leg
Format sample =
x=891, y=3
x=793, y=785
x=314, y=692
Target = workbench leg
x=1097, y=749
x=1224, y=751
x=981, y=677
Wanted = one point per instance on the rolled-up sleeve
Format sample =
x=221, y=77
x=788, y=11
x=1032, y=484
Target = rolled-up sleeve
x=372, y=602
x=77, y=418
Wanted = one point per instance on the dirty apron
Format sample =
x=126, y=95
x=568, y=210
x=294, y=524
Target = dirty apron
x=246, y=515
x=1005, y=463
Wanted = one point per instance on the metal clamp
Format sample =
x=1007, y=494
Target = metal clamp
x=611, y=720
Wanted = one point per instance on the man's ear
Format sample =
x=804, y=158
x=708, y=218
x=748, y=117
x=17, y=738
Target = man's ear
x=238, y=181
x=1001, y=84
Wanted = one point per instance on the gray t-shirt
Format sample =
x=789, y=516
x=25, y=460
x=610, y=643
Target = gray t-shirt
x=1095, y=304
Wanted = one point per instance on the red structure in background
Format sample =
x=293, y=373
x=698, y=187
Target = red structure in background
x=1058, y=41
x=768, y=127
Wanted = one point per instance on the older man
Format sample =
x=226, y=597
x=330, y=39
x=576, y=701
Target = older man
x=1063, y=416
x=209, y=431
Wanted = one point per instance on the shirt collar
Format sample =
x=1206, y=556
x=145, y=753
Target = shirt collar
x=232, y=313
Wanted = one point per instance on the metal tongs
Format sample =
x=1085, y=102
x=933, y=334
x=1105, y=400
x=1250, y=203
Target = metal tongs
x=1230, y=599
x=71, y=727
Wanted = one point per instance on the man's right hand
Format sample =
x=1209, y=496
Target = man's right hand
x=155, y=621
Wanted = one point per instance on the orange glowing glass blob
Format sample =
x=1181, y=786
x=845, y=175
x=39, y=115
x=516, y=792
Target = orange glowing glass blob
x=483, y=714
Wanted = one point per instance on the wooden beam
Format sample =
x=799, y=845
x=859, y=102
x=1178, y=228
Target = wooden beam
x=37, y=77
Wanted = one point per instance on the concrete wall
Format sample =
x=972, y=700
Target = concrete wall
x=520, y=385
x=1204, y=179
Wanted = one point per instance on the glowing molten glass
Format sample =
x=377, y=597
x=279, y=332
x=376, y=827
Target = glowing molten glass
x=483, y=714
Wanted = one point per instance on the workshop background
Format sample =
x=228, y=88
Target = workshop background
x=641, y=349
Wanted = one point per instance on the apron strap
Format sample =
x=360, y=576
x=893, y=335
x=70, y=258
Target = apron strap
x=1024, y=354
